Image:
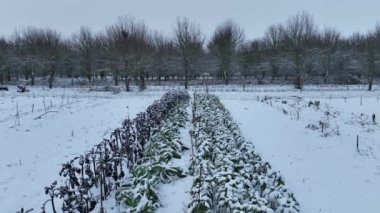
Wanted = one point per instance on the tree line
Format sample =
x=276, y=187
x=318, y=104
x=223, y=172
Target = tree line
x=296, y=51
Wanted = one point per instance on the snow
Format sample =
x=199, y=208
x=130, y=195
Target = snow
x=325, y=171
x=33, y=151
x=326, y=174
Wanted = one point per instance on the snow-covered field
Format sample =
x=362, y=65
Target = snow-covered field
x=32, y=150
x=325, y=170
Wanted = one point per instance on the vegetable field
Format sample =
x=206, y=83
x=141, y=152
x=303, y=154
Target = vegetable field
x=216, y=149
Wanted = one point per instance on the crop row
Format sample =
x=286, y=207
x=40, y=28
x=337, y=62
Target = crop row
x=137, y=193
x=88, y=179
x=229, y=175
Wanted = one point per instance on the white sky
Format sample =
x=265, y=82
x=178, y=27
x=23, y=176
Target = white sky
x=254, y=16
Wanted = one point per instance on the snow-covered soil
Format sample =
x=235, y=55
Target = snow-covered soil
x=326, y=171
x=32, y=150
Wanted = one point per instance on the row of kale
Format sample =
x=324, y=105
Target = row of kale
x=137, y=193
x=89, y=179
x=229, y=175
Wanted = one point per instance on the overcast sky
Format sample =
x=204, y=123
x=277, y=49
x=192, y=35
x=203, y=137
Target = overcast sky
x=254, y=16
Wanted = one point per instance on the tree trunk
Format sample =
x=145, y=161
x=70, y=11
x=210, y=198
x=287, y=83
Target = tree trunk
x=89, y=78
x=297, y=61
x=274, y=66
x=115, y=75
x=127, y=83
x=50, y=82
x=186, y=75
x=142, y=82
x=51, y=76
x=2, y=75
x=325, y=76
x=225, y=75
x=32, y=78
x=32, y=75
x=327, y=67
x=298, y=82
x=226, y=71
x=9, y=77
x=370, y=82
x=116, y=80
x=186, y=79
x=371, y=68
x=371, y=74
x=88, y=72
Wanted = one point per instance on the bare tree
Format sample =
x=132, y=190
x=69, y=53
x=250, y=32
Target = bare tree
x=39, y=48
x=131, y=45
x=372, y=45
x=69, y=60
x=103, y=60
x=224, y=46
x=118, y=50
x=164, y=58
x=4, y=50
x=300, y=32
x=84, y=43
x=189, y=41
x=28, y=55
x=330, y=43
x=358, y=62
x=131, y=51
x=52, y=54
x=273, y=41
x=251, y=56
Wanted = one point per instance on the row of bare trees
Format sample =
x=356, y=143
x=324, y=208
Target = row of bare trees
x=296, y=50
